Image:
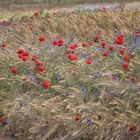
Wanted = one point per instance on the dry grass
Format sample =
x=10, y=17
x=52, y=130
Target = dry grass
x=80, y=25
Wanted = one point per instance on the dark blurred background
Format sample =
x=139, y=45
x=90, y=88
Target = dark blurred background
x=10, y=8
x=50, y=2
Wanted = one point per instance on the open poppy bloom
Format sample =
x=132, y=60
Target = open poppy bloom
x=42, y=39
x=46, y=84
x=122, y=51
x=96, y=39
x=34, y=58
x=125, y=65
x=60, y=42
x=20, y=51
x=24, y=58
x=14, y=70
x=126, y=57
x=55, y=43
x=41, y=68
x=72, y=57
x=74, y=46
x=105, y=54
x=77, y=117
x=120, y=39
x=20, y=56
x=4, y=44
x=111, y=48
x=133, y=128
x=103, y=44
x=25, y=53
x=88, y=61
x=38, y=63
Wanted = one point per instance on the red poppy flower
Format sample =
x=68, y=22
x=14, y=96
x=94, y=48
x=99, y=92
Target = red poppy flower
x=20, y=51
x=14, y=70
x=125, y=65
x=103, y=44
x=105, y=54
x=25, y=53
x=133, y=128
x=42, y=39
x=122, y=51
x=72, y=57
x=96, y=39
x=120, y=39
x=84, y=44
x=20, y=56
x=38, y=63
x=34, y=58
x=111, y=48
x=55, y=43
x=77, y=117
x=41, y=68
x=60, y=42
x=88, y=61
x=46, y=84
x=74, y=46
x=3, y=44
x=24, y=58
x=126, y=57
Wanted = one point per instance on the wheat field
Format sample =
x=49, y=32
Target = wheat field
x=70, y=76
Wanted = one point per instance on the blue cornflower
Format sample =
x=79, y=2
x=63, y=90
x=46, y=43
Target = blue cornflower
x=89, y=122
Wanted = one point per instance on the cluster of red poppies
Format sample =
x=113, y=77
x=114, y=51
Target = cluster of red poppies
x=23, y=55
x=59, y=42
x=40, y=68
x=38, y=65
x=71, y=49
